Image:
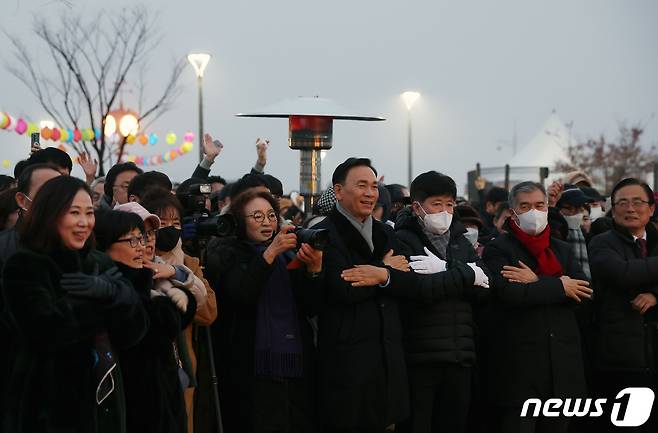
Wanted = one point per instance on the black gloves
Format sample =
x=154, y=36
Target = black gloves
x=100, y=287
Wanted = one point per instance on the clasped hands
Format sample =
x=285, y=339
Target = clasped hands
x=369, y=275
x=573, y=288
x=432, y=264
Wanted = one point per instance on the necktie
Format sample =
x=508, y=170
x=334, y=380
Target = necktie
x=642, y=243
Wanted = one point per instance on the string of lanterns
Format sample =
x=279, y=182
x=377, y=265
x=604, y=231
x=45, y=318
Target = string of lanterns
x=67, y=136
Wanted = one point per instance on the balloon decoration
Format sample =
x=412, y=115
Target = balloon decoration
x=21, y=126
x=5, y=120
x=63, y=137
x=145, y=161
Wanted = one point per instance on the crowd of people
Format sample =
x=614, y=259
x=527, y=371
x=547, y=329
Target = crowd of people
x=130, y=303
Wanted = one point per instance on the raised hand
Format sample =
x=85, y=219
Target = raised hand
x=211, y=147
x=261, y=150
x=396, y=262
x=554, y=192
x=89, y=165
x=522, y=274
x=365, y=275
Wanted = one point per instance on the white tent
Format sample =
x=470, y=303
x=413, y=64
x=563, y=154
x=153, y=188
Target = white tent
x=547, y=148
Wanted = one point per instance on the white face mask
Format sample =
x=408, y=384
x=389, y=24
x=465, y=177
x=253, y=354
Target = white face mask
x=472, y=235
x=596, y=213
x=574, y=221
x=437, y=223
x=533, y=222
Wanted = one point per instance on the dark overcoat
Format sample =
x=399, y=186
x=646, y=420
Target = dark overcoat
x=534, y=344
x=363, y=379
x=624, y=336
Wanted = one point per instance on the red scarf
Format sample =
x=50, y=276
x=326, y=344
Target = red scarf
x=540, y=247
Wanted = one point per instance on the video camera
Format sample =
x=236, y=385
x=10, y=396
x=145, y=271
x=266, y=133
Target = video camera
x=199, y=224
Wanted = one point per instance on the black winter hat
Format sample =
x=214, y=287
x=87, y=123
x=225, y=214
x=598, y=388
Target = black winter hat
x=468, y=215
x=432, y=183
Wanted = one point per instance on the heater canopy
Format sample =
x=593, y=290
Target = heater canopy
x=310, y=124
x=309, y=106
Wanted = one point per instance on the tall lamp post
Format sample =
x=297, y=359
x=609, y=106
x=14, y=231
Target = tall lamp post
x=409, y=99
x=199, y=61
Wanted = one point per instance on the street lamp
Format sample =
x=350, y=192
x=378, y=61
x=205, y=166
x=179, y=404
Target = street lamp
x=199, y=61
x=409, y=99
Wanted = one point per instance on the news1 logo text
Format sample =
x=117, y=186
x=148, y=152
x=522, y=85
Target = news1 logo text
x=631, y=407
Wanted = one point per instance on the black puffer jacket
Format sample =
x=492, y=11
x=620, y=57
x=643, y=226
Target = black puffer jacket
x=438, y=323
x=625, y=336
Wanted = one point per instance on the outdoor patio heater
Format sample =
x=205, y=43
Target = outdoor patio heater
x=310, y=130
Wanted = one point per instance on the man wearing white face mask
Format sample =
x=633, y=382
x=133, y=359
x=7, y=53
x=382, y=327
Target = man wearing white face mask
x=438, y=321
x=572, y=205
x=535, y=345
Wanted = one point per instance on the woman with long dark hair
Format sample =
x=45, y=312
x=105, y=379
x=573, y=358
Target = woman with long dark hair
x=154, y=395
x=69, y=309
x=264, y=341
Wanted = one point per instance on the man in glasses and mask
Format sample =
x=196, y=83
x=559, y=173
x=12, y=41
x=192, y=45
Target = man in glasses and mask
x=535, y=348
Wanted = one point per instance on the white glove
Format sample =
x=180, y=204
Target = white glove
x=481, y=278
x=429, y=264
x=178, y=297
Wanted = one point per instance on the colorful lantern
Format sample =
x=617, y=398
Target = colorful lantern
x=21, y=126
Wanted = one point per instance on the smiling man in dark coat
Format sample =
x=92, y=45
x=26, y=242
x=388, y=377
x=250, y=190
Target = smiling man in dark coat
x=535, y=346
x=625, y=269
x=363, y=380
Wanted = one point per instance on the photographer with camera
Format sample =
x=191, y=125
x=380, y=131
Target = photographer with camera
x=263, y=341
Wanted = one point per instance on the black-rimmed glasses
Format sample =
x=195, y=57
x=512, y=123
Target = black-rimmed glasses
x=134, y=241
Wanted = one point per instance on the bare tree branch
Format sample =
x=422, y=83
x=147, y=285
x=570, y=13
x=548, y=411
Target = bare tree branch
x=90, y=61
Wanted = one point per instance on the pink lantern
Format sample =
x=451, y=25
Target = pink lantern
x=21, y=126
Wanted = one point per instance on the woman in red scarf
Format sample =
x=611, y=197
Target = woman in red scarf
x=534, y=340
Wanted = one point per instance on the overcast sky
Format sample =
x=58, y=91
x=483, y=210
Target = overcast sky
x=481, y=67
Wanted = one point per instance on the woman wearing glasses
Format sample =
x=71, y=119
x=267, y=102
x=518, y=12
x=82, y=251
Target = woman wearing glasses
x=264, y=343
x=154, y=397
x=69, y=312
